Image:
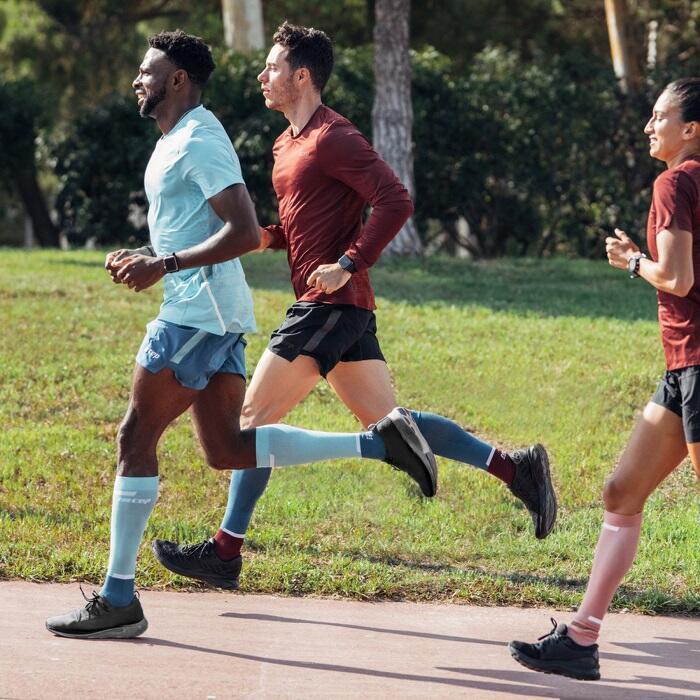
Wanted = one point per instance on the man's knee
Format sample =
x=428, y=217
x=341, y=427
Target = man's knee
x=237, y=452
x=136, y=453
x=127, y=435
x=255, y=414
x=220, y=459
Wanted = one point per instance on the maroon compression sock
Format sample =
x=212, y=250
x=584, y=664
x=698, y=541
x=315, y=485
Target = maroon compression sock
x=502, y=467
x=227, y=546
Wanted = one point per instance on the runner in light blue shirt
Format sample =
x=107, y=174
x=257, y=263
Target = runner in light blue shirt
x=193, y=162
x=202, y=220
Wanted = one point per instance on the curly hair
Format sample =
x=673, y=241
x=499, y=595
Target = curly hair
x=307, y=48
x=187, y=52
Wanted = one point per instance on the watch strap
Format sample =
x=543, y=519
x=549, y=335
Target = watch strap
x=347, y=263
x=633, y=264
x=171, y=263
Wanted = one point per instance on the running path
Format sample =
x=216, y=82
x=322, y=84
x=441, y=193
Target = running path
x=216, y=645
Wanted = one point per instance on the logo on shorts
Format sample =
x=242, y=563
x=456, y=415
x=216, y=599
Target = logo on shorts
x=152, y=354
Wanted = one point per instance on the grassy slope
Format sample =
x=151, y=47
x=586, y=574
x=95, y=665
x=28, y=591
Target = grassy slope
x=565, y=352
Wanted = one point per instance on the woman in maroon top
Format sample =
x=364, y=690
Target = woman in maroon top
x=669, y=429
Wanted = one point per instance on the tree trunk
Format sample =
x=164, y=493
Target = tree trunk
x=624, y=62
x=45, y=233
x=392, y=112
x=243, y=25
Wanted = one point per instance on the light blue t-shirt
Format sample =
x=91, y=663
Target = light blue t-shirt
x=190, y=164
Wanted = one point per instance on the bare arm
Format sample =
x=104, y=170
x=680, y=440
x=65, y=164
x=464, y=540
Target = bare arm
x=266, y=239
x=240, y=234
x=673, y=273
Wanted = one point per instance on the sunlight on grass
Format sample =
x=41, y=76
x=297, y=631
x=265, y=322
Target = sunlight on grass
x=563, y=352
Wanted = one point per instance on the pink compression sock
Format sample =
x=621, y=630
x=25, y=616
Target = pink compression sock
x=617, y=546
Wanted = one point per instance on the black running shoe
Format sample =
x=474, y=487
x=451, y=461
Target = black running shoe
x=199, y=561
x=532, y=484
x=558, y=653
x=100, y=620
x=407, y=449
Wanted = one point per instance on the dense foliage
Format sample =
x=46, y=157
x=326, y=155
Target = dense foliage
x=539, y=165
x=523, y=143
x=99, y=160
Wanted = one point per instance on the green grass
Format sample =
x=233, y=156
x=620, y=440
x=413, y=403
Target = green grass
x=566, y=352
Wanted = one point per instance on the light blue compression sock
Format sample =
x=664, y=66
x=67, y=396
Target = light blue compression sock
x=286, y=446
x=132, y=502
x=244, y=491
x=445, y=438
x=279, y=446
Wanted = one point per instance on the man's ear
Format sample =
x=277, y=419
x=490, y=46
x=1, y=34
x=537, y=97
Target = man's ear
x=179, y=79
x=303, y=75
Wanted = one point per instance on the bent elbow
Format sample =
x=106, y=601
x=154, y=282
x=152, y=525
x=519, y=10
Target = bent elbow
x=681, y=287
x=252, y=237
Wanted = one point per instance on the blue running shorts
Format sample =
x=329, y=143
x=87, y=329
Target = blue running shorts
x=194, y=355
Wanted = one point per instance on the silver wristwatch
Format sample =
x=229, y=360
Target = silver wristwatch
x=633, y=265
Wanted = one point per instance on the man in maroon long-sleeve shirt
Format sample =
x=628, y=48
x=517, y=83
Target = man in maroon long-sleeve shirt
x=325, y=173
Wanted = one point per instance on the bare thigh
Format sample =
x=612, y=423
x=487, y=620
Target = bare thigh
x=694, y=452
x=156, y=401
x=277, y=387
x=655, y=448
x=216, y=414
x=365, y=388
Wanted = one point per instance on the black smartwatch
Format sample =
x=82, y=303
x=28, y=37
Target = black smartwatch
x=171, y=263
x=347, y=264
x=633, y=265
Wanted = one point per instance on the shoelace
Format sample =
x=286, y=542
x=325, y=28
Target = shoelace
x=199, y=550
x=94, y=603
x=555, y=624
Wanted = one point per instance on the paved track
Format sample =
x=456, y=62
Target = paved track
x=219, y=645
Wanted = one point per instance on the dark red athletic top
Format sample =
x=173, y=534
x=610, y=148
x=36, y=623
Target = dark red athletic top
x=324, y=177
x=676, y=203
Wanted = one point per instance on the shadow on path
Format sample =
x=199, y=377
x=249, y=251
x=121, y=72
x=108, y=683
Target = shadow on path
x=524, y=683
x=383, y=630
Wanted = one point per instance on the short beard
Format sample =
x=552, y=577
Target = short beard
x=288, y=97
x=150, y=103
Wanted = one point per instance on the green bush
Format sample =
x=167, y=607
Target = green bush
x=100, y=162
x=19, y=116
x=540, y=157
x=233, y=94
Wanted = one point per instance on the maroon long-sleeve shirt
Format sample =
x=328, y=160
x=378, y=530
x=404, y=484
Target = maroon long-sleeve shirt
x=324, y=177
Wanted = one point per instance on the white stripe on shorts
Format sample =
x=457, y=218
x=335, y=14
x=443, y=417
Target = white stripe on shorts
x=197, y=338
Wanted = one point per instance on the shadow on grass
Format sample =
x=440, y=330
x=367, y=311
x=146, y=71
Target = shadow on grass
x=449, y=569
x=640, y=599
x=557, y=287
x=523, y=286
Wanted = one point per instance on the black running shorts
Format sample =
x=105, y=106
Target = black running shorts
x=330, y=333
x=679, y=391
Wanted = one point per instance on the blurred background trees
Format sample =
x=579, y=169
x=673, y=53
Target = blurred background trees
x=523, y=140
